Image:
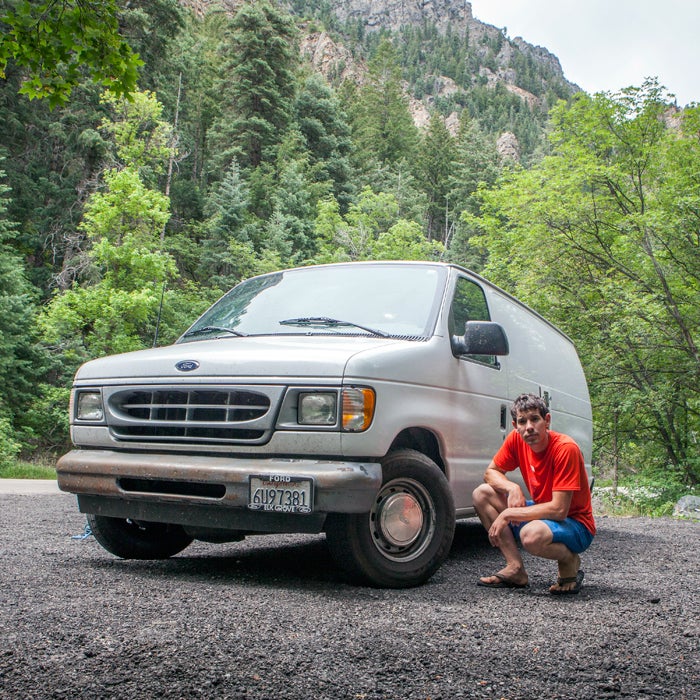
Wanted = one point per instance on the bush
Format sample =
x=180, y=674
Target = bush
x=640, y=496
x=9, y=447
x=46, y=424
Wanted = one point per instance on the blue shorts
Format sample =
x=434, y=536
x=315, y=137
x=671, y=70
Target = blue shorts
x=569, y=532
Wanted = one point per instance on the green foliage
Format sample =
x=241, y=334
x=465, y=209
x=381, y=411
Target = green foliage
x=371, y=230
x=405, y=240
x=226, y=232
x=114, y=309
x=23, y=363
x=236, y=158
x=435, y=168
x=56, y=41
x=647, y=496
x=382, y=126
x=127, y=209
x=9, y=446
x=477, y=165
x=45, y=425
x=152, y=29
x=52, y=160
x=141, y=137
x=594, y=238
x=326, y=137
x=289, y=231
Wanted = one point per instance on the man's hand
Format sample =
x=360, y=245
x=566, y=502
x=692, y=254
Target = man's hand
x=516, y=497
x=496, y=530
x=500, y=483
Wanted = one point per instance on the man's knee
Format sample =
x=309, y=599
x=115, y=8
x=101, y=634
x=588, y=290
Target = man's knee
x=482, y=494
x=535, y=535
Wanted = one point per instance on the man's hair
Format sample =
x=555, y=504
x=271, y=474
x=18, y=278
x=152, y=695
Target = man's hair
x=528, y=402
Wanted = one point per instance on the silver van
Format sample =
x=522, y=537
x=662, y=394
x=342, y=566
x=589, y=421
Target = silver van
x=363, y=400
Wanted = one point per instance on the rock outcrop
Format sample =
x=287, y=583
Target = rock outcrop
x=395, y=14
x=335, y=59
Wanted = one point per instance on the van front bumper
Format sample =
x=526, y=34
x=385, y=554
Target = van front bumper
x=213, y=491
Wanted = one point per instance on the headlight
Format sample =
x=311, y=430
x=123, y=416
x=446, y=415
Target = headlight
x=318, y=409
x=358, y=409
x=89, y=406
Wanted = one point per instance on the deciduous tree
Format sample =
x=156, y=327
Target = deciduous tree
x=56, y=42
x=602, y=237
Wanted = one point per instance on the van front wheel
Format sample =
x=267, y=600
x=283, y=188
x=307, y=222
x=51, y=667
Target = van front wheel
x=407, y=534
x=135, y=539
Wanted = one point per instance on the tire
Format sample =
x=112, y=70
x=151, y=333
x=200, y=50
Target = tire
x=408, y=533
x=131, y=539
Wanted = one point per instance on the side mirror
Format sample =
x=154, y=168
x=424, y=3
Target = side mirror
x=481, y=338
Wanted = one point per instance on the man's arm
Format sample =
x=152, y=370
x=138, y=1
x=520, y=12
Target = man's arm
x=556, y=509
x=516, y=510
x=500, y=483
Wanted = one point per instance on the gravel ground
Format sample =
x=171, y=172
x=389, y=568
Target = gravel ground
x=269, y=618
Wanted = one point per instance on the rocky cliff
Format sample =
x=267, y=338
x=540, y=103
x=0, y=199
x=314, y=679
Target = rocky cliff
x=330, y=41
x=395, y=15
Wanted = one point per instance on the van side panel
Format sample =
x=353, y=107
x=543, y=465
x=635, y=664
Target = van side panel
x=543, y=361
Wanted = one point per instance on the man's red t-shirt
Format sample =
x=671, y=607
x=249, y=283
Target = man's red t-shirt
x=559, y=468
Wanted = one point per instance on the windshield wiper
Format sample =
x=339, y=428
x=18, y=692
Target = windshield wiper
x=212, y=329
x=330, y=322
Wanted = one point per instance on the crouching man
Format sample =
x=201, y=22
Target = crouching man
x=558, y=523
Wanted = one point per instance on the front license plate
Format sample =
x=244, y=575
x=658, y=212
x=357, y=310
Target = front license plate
x=281, y=494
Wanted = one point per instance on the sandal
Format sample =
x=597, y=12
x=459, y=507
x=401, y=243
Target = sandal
x=577, y=580
x=503, y=582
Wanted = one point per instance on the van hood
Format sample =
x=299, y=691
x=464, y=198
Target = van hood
x=228, y=357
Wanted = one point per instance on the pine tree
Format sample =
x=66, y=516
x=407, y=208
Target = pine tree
x=292, y=220
x=226, y=225
x=477, y=164
x=435, y=167
x=383, y=129
x=258, y=82
x=22, y=362
x=326, y=135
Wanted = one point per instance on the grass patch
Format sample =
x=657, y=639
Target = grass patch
x=27, y=470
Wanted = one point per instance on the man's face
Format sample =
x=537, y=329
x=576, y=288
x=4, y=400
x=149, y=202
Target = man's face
x=533, y=428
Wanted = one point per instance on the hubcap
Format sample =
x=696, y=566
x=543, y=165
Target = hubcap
x=402, y=521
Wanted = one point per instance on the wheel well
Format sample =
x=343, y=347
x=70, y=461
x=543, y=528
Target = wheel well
x=421, y=440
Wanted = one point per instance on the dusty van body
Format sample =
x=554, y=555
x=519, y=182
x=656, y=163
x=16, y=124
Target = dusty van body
x=361, y=399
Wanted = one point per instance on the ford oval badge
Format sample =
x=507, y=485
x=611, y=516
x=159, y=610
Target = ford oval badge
x=187, y=365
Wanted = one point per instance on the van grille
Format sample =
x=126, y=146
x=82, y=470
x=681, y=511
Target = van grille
x=193, y=415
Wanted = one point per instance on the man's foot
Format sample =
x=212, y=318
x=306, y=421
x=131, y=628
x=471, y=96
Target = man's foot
x=569, y=585
x=504, y=579
x=570, y=576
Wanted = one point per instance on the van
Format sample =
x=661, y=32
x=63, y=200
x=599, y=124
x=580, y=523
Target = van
x=363, y=400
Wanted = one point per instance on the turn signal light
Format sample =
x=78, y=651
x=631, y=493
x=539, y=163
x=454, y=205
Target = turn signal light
x=358, y=409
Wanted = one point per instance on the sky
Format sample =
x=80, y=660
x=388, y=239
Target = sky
x=608, y=45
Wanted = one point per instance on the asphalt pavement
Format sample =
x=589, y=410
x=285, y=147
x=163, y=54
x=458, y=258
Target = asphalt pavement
x=270, y=618
x=28, y=487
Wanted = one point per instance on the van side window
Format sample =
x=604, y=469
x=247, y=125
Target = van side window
x=469, y=304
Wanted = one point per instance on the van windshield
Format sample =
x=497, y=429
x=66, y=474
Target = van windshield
x=382, y=300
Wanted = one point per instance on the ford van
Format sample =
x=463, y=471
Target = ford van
x=363, y=400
